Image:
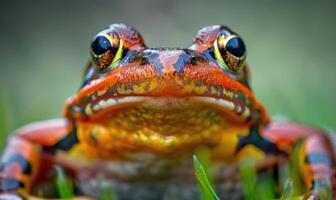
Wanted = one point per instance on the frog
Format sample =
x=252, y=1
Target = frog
x=141, y=113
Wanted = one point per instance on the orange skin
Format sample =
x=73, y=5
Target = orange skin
x=156, y=81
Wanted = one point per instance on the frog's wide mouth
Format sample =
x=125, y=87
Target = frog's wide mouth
x=165, y=103
x=204, y=87
x=163, y=124
x=163, y=113
x=104, y=108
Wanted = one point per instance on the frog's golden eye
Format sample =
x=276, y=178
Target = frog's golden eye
x=230, y=51
x=106, y=50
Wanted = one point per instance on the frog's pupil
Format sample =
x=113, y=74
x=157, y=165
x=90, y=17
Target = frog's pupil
x=100, y=45
x=236, y=46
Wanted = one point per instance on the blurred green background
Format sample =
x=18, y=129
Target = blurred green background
x=44, y=45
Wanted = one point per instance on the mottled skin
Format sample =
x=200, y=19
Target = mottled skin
x=138, y=103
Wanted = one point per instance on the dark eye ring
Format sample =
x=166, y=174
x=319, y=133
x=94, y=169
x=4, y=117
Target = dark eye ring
x=229, y=51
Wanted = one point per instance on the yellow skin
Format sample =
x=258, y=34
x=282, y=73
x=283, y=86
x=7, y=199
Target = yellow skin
x=141, y=114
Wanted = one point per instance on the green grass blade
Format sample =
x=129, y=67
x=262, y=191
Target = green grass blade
x=319, y=191
x=249, y=178
x=295, y=168
x=107, y=192
x=286, y=194
x=207, y=191
x=265, y=187
x=328, y=189
x=64, y=184
x=204, y=156
x=324, y=192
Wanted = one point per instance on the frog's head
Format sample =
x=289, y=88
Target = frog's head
x=164, y=98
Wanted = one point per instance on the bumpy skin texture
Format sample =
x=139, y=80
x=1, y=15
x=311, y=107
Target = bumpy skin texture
x=165, y=103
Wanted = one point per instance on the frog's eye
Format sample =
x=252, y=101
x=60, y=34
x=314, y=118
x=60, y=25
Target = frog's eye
x=230, y=51
x=106, y=50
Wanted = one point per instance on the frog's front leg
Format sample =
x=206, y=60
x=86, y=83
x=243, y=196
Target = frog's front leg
x=316, y=155
x=22, y=156
x=19, y=166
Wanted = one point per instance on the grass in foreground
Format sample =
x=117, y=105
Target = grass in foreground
x=207, y=191
x=262, y=185
x=64, y=184
x=255, y=186
x=65, y=187
x=107, y=193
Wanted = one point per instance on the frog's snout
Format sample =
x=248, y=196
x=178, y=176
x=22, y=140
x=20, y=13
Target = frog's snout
x=169, y=61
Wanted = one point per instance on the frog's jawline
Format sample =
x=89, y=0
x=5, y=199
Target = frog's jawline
x=241, y=112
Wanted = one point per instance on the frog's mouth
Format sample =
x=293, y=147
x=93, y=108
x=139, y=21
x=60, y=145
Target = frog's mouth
x=107, y=106
x=95, y=107
x=159, y=124
x=209, y=88
x=184, y=109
